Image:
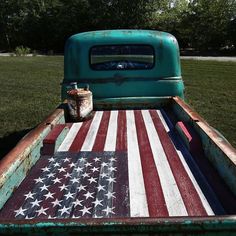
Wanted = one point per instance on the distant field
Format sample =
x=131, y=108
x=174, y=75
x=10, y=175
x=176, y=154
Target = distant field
x=30, y=89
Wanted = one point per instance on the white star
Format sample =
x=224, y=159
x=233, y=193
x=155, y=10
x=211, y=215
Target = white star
x=45, y=169
x=98, y=202
x=50, y=217
x=35, y=202
x=110, y=194
x=62, y=169
x=82, y=159
x=85, y=175
x=64, y=210
x=88, y=195
x=113, y=159
x=66, y=159
x=72, y=165
x=56, y=164
x=85, y=210
x=63, y=187
x=104, y=164
x=56, y=180
x=109, y=210
x=82, y=187
x=51, y=159
x=96, y=159
x=88, y=164
x=75, y=217
x=56, y=202
x=111, y=180
x=78, y=202
x=75, y=180
x=112, y=168
x=91, y=180
x=101, y=187
x=20, y=211
x=50, y=175
x=78, y=169
x=29, y=195
x=103, y=175
x=42, y=211
x=69, y=195
x=28, y=218
x=44, y=187
x=67, y=175
x=39, y=180
x=95, y=169
x=49, y=195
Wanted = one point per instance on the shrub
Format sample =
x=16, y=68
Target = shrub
x=22, y=51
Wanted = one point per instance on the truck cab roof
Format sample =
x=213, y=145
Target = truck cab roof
x=135, y=63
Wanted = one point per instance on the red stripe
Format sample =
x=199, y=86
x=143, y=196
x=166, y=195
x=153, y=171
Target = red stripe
x=189, y=194
x=154, y=193
x=52, y=136
x=102, y=132
x=121, y=141
x=80, y=137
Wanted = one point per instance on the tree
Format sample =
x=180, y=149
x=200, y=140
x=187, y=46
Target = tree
x=207, y=23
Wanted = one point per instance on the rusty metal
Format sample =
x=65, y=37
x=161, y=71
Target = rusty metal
x=81, y=101
x=219, y=140
x=16, y=152
x=125, y=225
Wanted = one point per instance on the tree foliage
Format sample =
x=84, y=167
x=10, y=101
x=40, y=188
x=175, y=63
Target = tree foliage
x=45, y=24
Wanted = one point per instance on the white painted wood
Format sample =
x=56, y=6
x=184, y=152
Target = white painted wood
x=138, y=200
x=196, y=186
x=92, y=133
x=110, y=143
x=173, y=198
x=64, y=147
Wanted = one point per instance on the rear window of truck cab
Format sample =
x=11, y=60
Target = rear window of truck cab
x=122, y=57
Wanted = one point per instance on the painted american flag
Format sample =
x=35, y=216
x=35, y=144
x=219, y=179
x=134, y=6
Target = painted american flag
x=78, y=185
x=118, y=164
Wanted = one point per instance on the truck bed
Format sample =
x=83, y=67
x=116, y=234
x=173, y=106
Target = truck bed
x=119, y=164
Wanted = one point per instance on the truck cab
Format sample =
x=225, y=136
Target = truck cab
x=124, y=63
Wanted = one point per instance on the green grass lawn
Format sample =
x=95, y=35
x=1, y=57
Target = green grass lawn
x=30, y=90
x=211, y=90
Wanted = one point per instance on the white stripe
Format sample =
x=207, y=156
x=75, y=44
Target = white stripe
x=92, y=133
x=196, y=186
x=110, y=143
x=173, y=199
x=70, y=137
x=138, y=201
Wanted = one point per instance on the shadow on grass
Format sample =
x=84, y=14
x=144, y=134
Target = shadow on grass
x=8, y=142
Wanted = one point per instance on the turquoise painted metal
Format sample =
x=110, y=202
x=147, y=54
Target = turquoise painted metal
x=164, y=79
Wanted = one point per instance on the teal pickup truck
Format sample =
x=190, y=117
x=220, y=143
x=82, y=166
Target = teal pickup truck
x=123, y=154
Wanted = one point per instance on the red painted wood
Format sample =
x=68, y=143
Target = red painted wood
x=189, y=194
x=122, y=176
x=80, y=137
x=52, y=136
x=193, y=140
x=102, y=131
x=121, y=142
x=154, y=193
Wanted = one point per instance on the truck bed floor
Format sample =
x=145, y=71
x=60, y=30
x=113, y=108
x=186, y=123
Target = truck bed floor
x=118, y=164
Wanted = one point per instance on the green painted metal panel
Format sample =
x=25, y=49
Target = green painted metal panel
x=175, y=226
x=164, y=79
x=222, y=163
x=16, y=173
